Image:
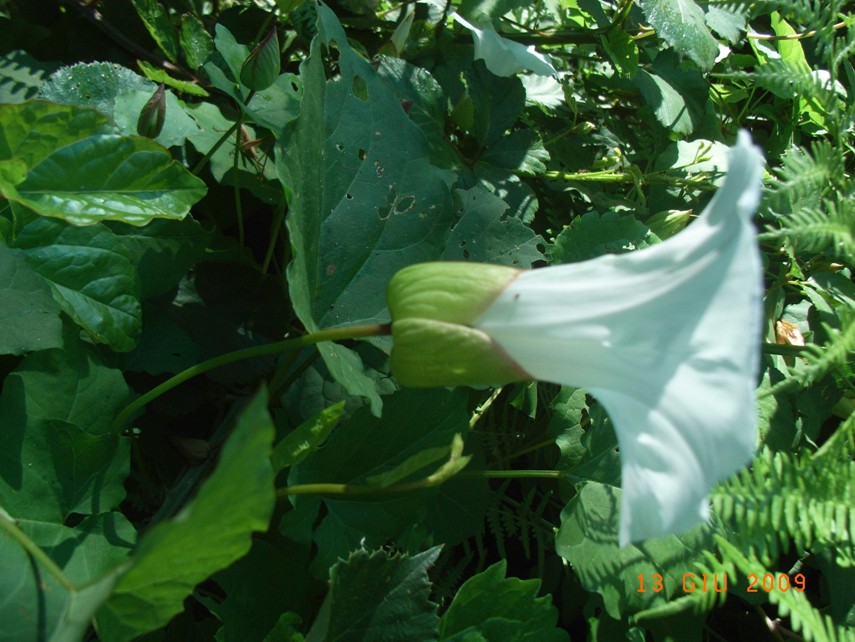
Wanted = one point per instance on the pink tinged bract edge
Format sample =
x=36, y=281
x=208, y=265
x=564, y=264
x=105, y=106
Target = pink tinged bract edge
x=667, y=338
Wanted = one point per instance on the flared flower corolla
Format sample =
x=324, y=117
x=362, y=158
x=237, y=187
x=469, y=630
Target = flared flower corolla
x=666, y=338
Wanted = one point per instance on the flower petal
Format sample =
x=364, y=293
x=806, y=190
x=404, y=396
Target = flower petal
x=667, y=339
x=505, y=57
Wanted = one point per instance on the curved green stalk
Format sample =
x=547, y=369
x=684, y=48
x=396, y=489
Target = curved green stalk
x=419, y=484
x=330, y=334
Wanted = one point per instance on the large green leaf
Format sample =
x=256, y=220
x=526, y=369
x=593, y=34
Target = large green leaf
x=592, y=235
x=21, y=75
x=565, y=425
x=90, y=274
x=681, y=24
x=521, y=151
x=94, y=84
x=109, y=177
x=62, y=161
x=210, y=533
x=490, y=606
x=679, y=97
x=162, y=251
x=364, y=199
x=223, y=67
x=271, y=579
x=178, y=126
x=277, y=105
x=587, y=539
x=31, y=131
x=59, y=452
x=497, y=103
x=29, y=317
x=379, y=597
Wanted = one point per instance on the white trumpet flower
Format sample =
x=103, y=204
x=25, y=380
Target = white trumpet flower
x=666, y=338
x=505, y=57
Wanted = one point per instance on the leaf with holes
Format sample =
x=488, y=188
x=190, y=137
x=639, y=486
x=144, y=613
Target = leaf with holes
x=485, y=233
x=364, y=199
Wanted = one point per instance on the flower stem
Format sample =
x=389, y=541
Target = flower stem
x=330, y=334
x=207, y=157
x=784, y=349
x=513, y=474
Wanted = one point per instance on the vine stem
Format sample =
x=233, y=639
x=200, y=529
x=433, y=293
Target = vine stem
x=513, y=474
x=329, y=334
x=428, y=482
x=617, y=176
x=235, y=167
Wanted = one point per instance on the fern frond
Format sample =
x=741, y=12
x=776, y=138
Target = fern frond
x=814, y=230
x=835, y=353
x=495, y=523
x=785, y=500
x=840, y=447
x=804, y=179
x=804, y=617
x=448, y=572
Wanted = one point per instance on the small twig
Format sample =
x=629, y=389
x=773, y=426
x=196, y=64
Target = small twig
x=792, y=36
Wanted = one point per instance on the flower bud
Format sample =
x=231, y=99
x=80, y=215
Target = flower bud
x=150, y=122
x=433, y=307
x=261, y=68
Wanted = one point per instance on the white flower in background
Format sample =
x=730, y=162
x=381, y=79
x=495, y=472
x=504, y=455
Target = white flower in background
x=505, y=57
x=666, y=338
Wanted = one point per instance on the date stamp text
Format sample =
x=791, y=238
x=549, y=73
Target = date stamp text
x=717, y=582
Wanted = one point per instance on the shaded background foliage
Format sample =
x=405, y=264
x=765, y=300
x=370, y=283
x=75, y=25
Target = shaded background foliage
x=166, y=202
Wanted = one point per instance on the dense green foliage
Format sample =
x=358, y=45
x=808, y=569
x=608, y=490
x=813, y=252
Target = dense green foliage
x=181, y=179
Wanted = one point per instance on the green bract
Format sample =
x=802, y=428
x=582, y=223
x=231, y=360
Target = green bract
x=153, y=113
x=261, y=68
x=433, y=306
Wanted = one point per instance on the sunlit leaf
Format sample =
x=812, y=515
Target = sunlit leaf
x=210, y=533
x=681, y=24
x=111, y=178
